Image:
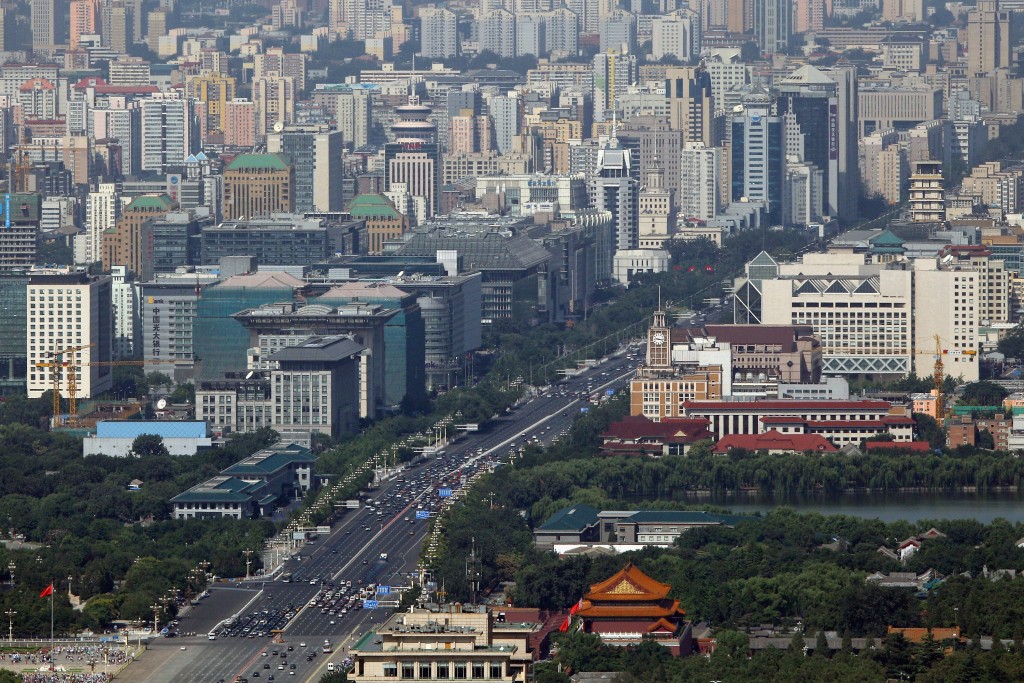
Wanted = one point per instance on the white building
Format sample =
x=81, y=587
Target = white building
x=125, y=298
x=700, y=166
x=676, y=35
x=628, y=263
x=69, y=309
x=804, y=189
x=531, y=35
x=498, y=33
x=169, y=133
x=439, y=34
x=101, y=211
x=563, y=32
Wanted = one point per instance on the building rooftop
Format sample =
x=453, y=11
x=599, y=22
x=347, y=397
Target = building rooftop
x=270, y=460
x=575, y=518
x=151, y=202
x=372, y=206
x=320, y=350
x=773, y=440
x=259, y=162
x=268, y=279
x=130, y=429
x=223, y=489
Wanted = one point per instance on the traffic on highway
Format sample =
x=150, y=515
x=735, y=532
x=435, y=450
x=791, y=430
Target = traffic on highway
x=340, y=584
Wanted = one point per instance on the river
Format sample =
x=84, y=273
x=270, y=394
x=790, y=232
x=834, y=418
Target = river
x=888, y=507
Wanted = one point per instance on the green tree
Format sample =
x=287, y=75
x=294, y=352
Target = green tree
x=983, y=393
x=149, y=446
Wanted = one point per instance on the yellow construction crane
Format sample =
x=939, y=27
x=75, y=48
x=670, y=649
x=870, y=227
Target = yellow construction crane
x=72, y=366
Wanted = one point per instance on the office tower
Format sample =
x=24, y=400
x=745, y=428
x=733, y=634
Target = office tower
x=239, y=123
x=811, y=99
x=613, y=188
x=563, y=32
x=125, y=127
x=274, y=97
x=214, y=89
x=169, y=133
x=65, y=310
x=125, y=300
x=613, y=74
x=84, y=20
x=126, y=70
x=315, y=154
x=20, y=215
x=44, y=26
x=758, y=163
x=353, y=107
x=412, y=159
x=809, y=15
x=727, y=80
x=157, y=23
x=802, y=193
x=691, y=107
x=129, y=242
x=773, y=24
x=618, y=32
x=102, y=208
x=504, y=112
x=676, y=36
x=739, y=15
x=498, y=33
x=116, y=25
x=531, y=35
x=439, y=33
x=257, y=185
x=989, y=42
x=3, y=28
x=13, y=333
x=701, y=167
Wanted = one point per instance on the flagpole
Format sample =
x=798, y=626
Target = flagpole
x=52, y=655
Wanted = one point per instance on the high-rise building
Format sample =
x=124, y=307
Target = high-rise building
x=531, y=35
x=498, y=33
x=125, y=299
x=613, y=188
x=315, y=154
x=352, y=106
x=897, y=11
x=690, y=103
x=130, y=243
x=44, y=26
x=613, y=74
x=927, y=199
x=157, y=23
x=676, y=35
x=257, y=185
x=169, y=133
x=413, y=159
x=773, y=24
x=274, y=96
x=133, y=71
x=276, y=61
x=102, y=208
x=69, y=309
x=504, y=113
x=698, y=196
x=808, y=15
x=216, y=90
x=654, y=210
x=239, y=123
x=19, y=231
x=117, y=25
x=13, y=333
x=125, y=127
x=439, y=34
x=989, y=41
x=563, y=32
x=618, y=32
x=84, y=20
x=758, y=161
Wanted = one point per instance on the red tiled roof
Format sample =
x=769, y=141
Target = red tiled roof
x=786, y=405
x=635, y=427
x=916, y=446
x=785, y=419
x=654, y=611
x=773, y=440
x=919, y=635
x=34, y=83
x=852, y=424
x=628, y=583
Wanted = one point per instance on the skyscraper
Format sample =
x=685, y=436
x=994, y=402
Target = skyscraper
x=498, y=33
x=413, y=159
x=169, y=133
x=102, y=208
x=257, y=185
x=700, y=166
x=773, y=24
x=613, y=74
x=989, y=43
x=44, y=26
x=274, y=96
x=614, y=189
x=690, y=104
x=758, y=163
x=439, y=34
x=84, y=20
x=216, y=90
x=315, y=153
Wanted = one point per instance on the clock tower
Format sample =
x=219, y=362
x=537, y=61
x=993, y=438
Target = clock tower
x=659, y=344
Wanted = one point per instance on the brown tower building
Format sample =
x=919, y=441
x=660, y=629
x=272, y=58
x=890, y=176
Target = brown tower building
x=257, y=185
x=130, y=242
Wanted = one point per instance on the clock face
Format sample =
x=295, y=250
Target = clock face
x=658, y=338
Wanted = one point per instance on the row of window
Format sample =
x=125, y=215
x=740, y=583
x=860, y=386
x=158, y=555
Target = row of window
x=458, y=671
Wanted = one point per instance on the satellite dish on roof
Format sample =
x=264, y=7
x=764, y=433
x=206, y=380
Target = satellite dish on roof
x=278, y=127
x=400, y=273
x=161, y=404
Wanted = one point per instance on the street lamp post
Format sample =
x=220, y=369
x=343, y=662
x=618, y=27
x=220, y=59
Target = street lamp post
x=156, y=617
x=248, y=561
x=10, y=624
x=10, y=570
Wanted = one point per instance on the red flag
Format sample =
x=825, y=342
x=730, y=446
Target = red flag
x=47, y=591
x=576, y=608
x=565, y=625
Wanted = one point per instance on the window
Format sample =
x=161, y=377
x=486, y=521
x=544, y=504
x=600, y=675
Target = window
x=408, y=670
x=478, y=670
x=390, y=670
x=443, y=671
x=460, y=671
x=425, y=670
x=495, y=670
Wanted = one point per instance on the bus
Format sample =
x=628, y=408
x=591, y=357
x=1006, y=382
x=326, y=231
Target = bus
x=327, y=647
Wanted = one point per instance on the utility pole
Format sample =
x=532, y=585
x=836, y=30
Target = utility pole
x=248, y=561
x=156, y=616
x=10, y=569
x=10, y=624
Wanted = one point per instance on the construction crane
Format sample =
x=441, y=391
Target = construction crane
x=56, y=363
x=72, y=387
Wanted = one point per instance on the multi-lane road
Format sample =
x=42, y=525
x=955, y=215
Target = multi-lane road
x=352, y=552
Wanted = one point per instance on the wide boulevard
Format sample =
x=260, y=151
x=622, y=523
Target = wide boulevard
x=353, y=552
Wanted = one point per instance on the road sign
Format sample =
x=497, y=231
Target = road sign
x=323, y=529
x=383, y=590
x=444, y=493
x=609, y=392
x=370, y=604
x=423, y=514
x=585, y=409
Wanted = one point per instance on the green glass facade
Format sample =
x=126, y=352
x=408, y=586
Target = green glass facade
x=13, y=333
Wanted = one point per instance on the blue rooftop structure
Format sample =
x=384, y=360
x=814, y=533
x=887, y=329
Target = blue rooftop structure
x=115, y=429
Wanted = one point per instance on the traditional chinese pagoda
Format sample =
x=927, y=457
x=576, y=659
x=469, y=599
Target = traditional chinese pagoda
x=630, y=607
